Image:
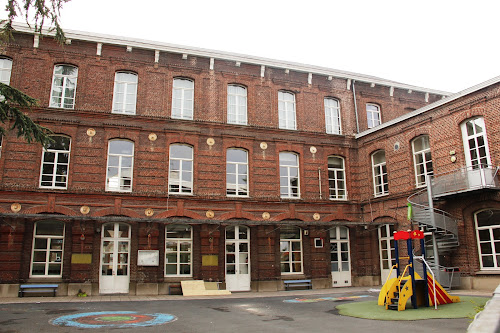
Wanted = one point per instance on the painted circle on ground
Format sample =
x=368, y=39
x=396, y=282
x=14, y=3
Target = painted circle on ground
x=113, y=319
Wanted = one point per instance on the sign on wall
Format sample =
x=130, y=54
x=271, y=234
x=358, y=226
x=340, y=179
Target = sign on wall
x=148, y=258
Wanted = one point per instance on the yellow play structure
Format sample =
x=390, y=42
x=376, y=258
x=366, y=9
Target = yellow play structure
x=409, y=285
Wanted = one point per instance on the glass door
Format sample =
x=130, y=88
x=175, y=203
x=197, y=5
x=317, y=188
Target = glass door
x=340, y=257
x=114, y=274
x=237, y=258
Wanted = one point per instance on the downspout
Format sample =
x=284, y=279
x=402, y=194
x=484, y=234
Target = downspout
x=355, y=105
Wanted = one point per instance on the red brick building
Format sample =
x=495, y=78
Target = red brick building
x=173, y=163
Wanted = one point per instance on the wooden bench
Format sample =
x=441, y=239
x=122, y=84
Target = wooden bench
x=37, y=288
x=297, y=283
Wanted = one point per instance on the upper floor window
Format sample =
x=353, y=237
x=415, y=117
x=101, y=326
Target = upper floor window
x=180, y=174
x=237, y=172
x=373, y=115
x=48, y=249
x=332, y=116
x=286, y=110
x=380, y=181
x=64, y=87
x=55, y=163
x=488, y=238
x=125, y=93
x=422, y=159
x=120, y=166
x=336, y=178
x=289, y=175
x=475, y=143
x=5, y=70
x=236, y=105
x=291, y=249
x=182, y=99
x=178, y=249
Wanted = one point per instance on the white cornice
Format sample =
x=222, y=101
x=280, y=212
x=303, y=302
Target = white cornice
x=240, y=58
x=429, y=107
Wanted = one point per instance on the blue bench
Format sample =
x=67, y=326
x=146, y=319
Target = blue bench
x=37, y=288
x=297, y=283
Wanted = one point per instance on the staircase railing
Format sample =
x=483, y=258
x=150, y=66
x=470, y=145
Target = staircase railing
x=433, y=278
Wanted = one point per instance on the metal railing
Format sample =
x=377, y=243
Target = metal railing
x=465, y=179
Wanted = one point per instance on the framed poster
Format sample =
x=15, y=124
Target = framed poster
x=148, y=258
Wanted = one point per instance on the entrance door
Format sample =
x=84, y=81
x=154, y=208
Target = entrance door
x=387, y=252
x=114, y=275
x=340, y=257
x=237, y=258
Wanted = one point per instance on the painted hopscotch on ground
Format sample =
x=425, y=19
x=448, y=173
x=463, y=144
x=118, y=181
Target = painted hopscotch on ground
x=113, y=319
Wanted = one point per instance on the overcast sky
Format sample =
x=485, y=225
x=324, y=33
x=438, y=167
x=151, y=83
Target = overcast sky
x=439, y=44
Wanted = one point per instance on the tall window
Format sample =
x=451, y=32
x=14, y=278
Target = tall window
x=286, y=110
x=237, y=172
x=120, y=166
x=182, y=99
x=236, y=105
x=125, y=93
x=332, y=116
x=55, y=163
x=48, y=245
x=289, y=175
x=373, y=115
x=422, y=159
x=336, y=178
x=178, y=249
x=380, y=182
x=180, y=174
x=475, y=143
x=5, y=70
x=488, y=238
x=291, y=249
x=64, y=87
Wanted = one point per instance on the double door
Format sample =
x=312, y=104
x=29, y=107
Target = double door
x=237, y=258
x=114, y=276
x=340, y=257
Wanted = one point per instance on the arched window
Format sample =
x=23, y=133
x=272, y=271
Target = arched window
x=380, y=181
x=120, y=166
x=64, y=87
x=5, y=70
x=289, y=175
x=488, y=238
x=236, y=104
x=182, y=99
x=178, y=250
x=373, y=115
x=291, y=249
x=237, y=172
x=332, y=116
x=477, y=154
x=125, y=93
x=286, y=110
x=422, y=159
x=180, y=174
x=48, y=249
x=55, y=163
x=336, y=178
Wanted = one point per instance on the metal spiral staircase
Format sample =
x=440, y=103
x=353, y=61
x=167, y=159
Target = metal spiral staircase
x=441, y=225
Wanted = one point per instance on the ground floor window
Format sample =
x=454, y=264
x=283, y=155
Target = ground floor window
x=291, y=249
x=178, y=248
x=488, y=238
x=47, y=253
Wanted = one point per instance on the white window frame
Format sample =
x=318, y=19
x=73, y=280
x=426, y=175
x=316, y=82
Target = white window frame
x=240, y=189
x=337, y=176
x=483, y=158
x=128, y=81
x=67, y=79
x=373, y=116
x=491, y=241
x=5, y=70
x=287, y=110
x=332, y=116
x=58, y=154
x=178, y=252
x=289, y=242
x=237, y=104
x=48, y=251
x=121, y=168
x=183, y=162
x=380, y=178
x=285, y=175
x=186, y=108
x=425, y=164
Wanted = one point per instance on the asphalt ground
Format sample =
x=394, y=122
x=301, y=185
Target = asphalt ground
x=299, y=311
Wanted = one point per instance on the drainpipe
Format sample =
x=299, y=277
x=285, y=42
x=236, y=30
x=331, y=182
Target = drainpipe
x=355, y=105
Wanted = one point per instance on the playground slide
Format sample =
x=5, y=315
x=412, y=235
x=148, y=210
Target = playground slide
x=442, y=296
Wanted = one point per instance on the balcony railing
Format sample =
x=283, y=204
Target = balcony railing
x=464, y=180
